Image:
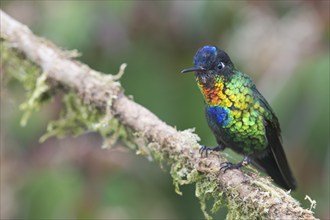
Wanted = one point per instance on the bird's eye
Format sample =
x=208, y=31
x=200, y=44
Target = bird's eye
x=220, y=65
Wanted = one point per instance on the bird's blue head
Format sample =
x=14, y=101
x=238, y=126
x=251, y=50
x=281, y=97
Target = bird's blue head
x=210, y=59
x=206, y=57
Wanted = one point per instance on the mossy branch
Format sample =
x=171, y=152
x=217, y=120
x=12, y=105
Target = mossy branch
x=95, y=101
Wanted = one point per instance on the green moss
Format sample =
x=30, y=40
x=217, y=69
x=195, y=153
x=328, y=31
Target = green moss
x=76, y=116
x=29, y=75
x=17, y=66
x=244, y=209
x=35, y=99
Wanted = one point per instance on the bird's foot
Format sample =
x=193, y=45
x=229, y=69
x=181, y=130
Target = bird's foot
x=229, y=166
x=205, y=150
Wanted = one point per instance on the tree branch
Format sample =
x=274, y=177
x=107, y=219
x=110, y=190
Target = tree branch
x=245, y=194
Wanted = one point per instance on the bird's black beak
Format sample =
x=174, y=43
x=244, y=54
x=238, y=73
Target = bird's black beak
x=199, y=69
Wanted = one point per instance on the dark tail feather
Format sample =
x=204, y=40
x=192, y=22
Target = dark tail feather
x=276, y=165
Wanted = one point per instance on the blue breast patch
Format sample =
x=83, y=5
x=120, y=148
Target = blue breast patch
x=219, y=114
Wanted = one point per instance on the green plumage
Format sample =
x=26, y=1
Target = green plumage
x=239, y=116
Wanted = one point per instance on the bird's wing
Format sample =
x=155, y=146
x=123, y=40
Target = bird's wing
x=274, y=162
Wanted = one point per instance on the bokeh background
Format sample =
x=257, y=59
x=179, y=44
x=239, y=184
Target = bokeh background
x=283, y=45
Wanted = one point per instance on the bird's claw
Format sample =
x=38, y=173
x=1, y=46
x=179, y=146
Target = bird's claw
x=208, y=149
x=229, y=166
x=204, y=149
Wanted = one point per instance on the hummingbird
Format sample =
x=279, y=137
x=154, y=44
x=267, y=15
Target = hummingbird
x=239, y=116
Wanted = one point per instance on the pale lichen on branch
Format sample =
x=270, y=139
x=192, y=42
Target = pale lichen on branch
x=95, y=102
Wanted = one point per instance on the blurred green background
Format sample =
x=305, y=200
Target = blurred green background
x=283, y=45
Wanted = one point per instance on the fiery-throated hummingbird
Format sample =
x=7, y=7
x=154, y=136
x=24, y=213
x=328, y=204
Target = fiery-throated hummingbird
x=239, y=116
